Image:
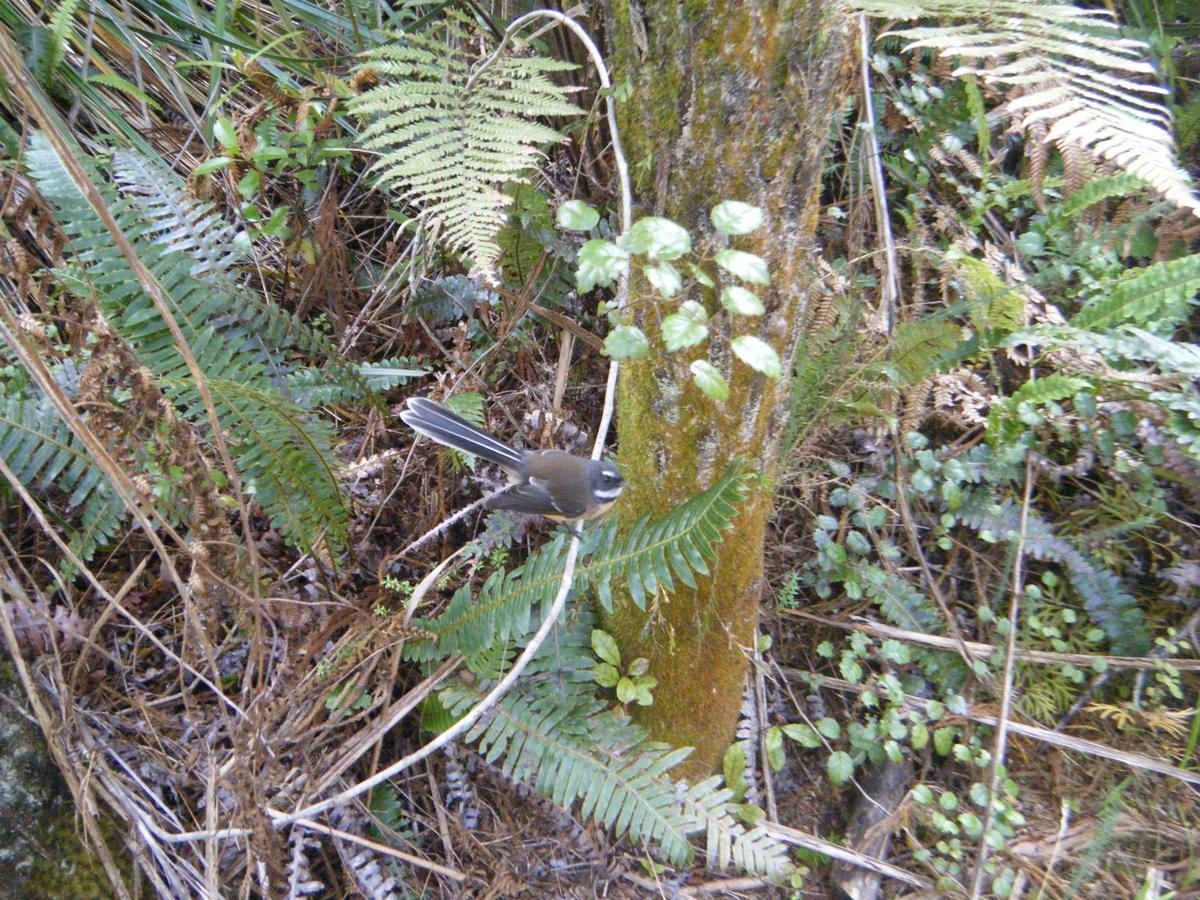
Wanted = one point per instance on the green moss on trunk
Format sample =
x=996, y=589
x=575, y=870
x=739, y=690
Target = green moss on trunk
x=731, y=101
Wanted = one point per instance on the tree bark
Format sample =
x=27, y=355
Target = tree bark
x=731, y=100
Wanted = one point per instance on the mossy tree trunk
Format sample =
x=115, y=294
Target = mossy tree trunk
x=731, y=100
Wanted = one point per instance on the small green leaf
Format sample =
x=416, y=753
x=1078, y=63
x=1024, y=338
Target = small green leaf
x=701, y=276
x=803, y=734
x=685, y=328
x=918, y=735
x=745, y=266
x=641, y=691
x=605, y=675
x=248, y=186
x=943, y=740
x=639, y=667
x=575, y=215
x=776, y=757
x=600, y=263
x=839, y=767
x=211, y=165
x=665, y=279
x=625, y=342
x=758, y=355
x=626, y=690
x=735, y=217
x=738, y=300
x=658, y=238
x=225, y=133
x=750, y=814
x=829, y=727
x=922, y=794
x=709, y=380
x=605, y=647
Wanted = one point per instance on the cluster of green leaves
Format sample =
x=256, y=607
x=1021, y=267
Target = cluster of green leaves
x=284, y=145
x=663, y=243
x=892, y=721
x=632, y=682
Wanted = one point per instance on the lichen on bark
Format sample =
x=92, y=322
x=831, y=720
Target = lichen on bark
x=730, y=101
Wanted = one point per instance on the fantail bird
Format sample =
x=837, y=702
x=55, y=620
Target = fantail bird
x=550, y=483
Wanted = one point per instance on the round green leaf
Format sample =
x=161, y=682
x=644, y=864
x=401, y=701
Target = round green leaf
x=664, y=279
x=225, y=133
x=738, y=300
x=745, y=266
x=709, y=380
x=686, y=327
x=639, y=667
x=735, y=217
x=605, y=647
x=600, y=263
x=839, y=767
x=211, y=165
x=575, y=215
x=829, y=727
x=625, y=342
x=658, y=238
x=802, y=733
x=758, y=355
x=626, y=691
x=605, y=675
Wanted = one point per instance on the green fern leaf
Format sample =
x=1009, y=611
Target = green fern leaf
x=281, y=452
x=551, y=733
x=678, y=545
x=1161, y=294
x=1106, y=601
x=994, y=306
x=1004, y=426
x=47, y=457
x=1098, y=190
x=449, y=132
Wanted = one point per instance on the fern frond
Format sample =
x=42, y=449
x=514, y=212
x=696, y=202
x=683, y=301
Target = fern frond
x=994, y=306
x=901, y=603
x=314, y=387
x=502, y=610
x=1106, y=601
x=1161, y=294
x=450, y=133
x=919, y=349
x=59, y=33
x=280, y=451
x=550, y=732
x=678, y=543
x=45, y=454
x=1004, y=424
x=1085, y=80
x=174, y=220
x=179, y=224
x=1098, y=190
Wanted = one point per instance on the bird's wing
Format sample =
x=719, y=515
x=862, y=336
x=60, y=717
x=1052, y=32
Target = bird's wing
x=533, y=499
